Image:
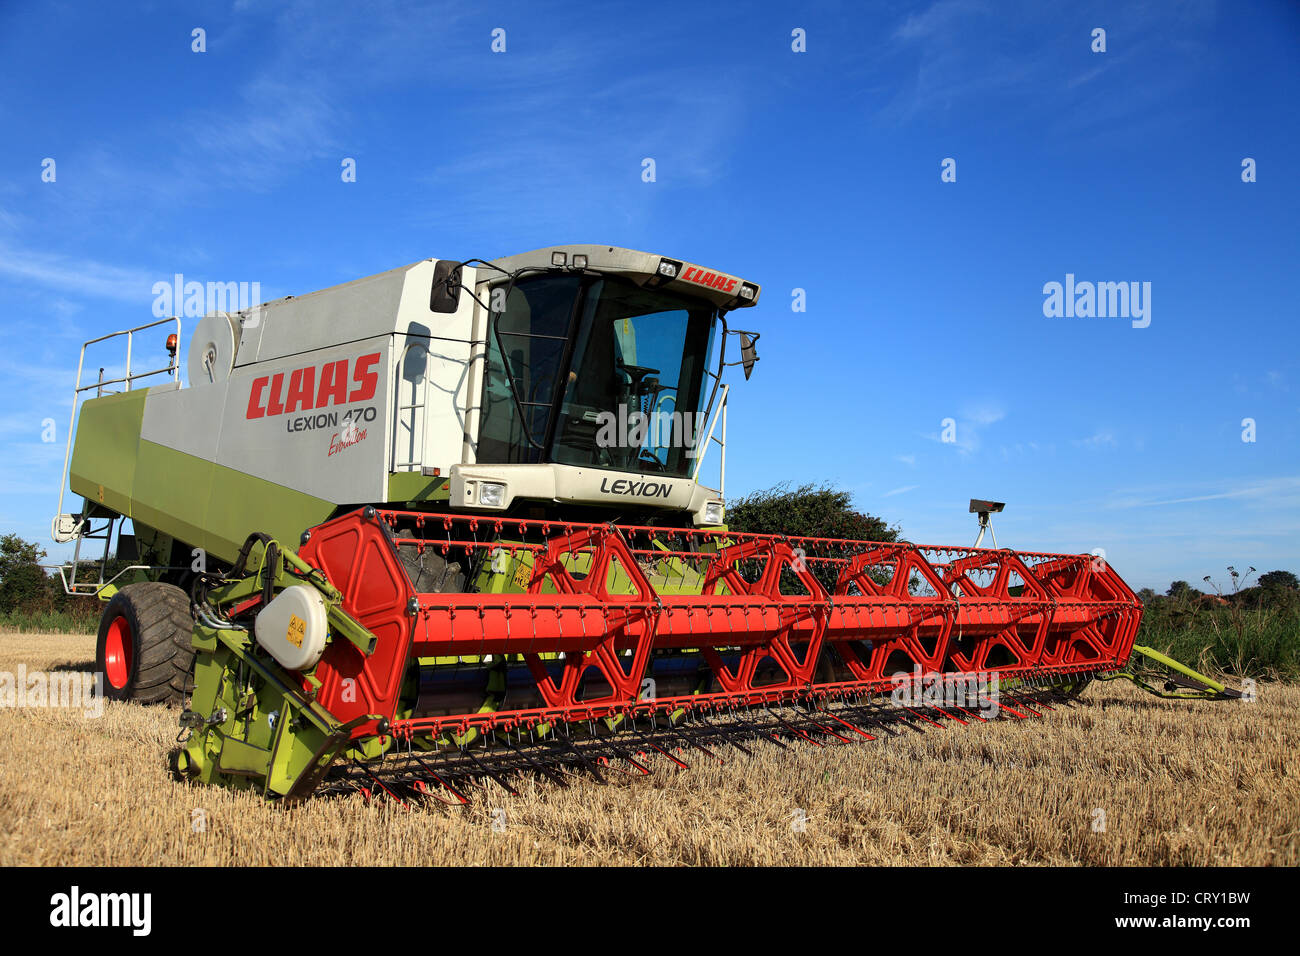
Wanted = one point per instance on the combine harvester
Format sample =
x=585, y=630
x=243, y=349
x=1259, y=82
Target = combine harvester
x=427, y=528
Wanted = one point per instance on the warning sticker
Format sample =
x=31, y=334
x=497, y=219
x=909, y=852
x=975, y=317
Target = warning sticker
x=523, y=574
x=296, y=628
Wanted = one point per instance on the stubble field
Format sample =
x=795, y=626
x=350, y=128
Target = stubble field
x=1119, y=779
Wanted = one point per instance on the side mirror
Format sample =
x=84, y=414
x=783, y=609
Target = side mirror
x=444, y=296
x=748, y=356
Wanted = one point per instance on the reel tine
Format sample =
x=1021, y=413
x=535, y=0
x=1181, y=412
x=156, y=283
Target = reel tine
x=379, y=783
x=548, y=772
x=645, y=771
x=681, y=764
x=461, y=799
x=727, y=735
x=648, y=742
x=874, y=720
x=703, y=749
x=742, y=726
x=582, y=758
x=793, y=729
x=917, y=713
x=488, y=771
x=856, y=730
x=827, y=730
x=1000, y=708
x=906, y=721
x=1019, y=702
x=972, y=714
x=422, y=789
x=948, y=715
x=1037, y=699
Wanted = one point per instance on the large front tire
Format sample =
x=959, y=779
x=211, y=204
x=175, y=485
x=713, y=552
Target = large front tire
x=143, y=649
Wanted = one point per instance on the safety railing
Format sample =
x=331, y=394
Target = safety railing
x=408, y=412
x=720, y=413
x=67, y=527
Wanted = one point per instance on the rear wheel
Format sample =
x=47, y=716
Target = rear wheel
x=144, y=649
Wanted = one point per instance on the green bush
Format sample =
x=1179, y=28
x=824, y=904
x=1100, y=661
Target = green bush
x=32, y=600
x=1249, y=632
x=809, y=511
x=22, y=579
x=81, y=617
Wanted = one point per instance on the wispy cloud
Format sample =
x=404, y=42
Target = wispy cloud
x=76, y=275
x=968, y=427
x=316, y=68
x=1100, y=439
x=535, y=149
x=1273, y=490
x=9, y=220
x=900, y=491
x=937, y=19
x=981, y=415
x=280, y=124
x=1087, y=76
x=946, y=69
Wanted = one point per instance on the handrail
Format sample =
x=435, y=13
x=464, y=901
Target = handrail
x=174, y=368
x=421, y=389
x=718, y=413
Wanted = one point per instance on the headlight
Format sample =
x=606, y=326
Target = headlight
x=713, y=512
x=491, y=494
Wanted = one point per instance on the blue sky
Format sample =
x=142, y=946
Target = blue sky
x=817, y=170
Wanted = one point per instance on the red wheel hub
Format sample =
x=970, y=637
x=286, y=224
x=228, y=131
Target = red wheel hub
x=117, y=653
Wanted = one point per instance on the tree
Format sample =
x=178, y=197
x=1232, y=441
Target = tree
x=1181, y=589
x=22, y=580
x=809, y=511
x=1146, y=595
x=1279, y=579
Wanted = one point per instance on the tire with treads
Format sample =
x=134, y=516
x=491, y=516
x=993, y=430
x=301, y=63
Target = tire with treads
x=143, y=649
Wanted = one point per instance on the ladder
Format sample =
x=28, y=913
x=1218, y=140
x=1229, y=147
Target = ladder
x=76, y=527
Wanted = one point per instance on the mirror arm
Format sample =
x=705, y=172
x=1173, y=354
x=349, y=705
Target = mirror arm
x=722, y=363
